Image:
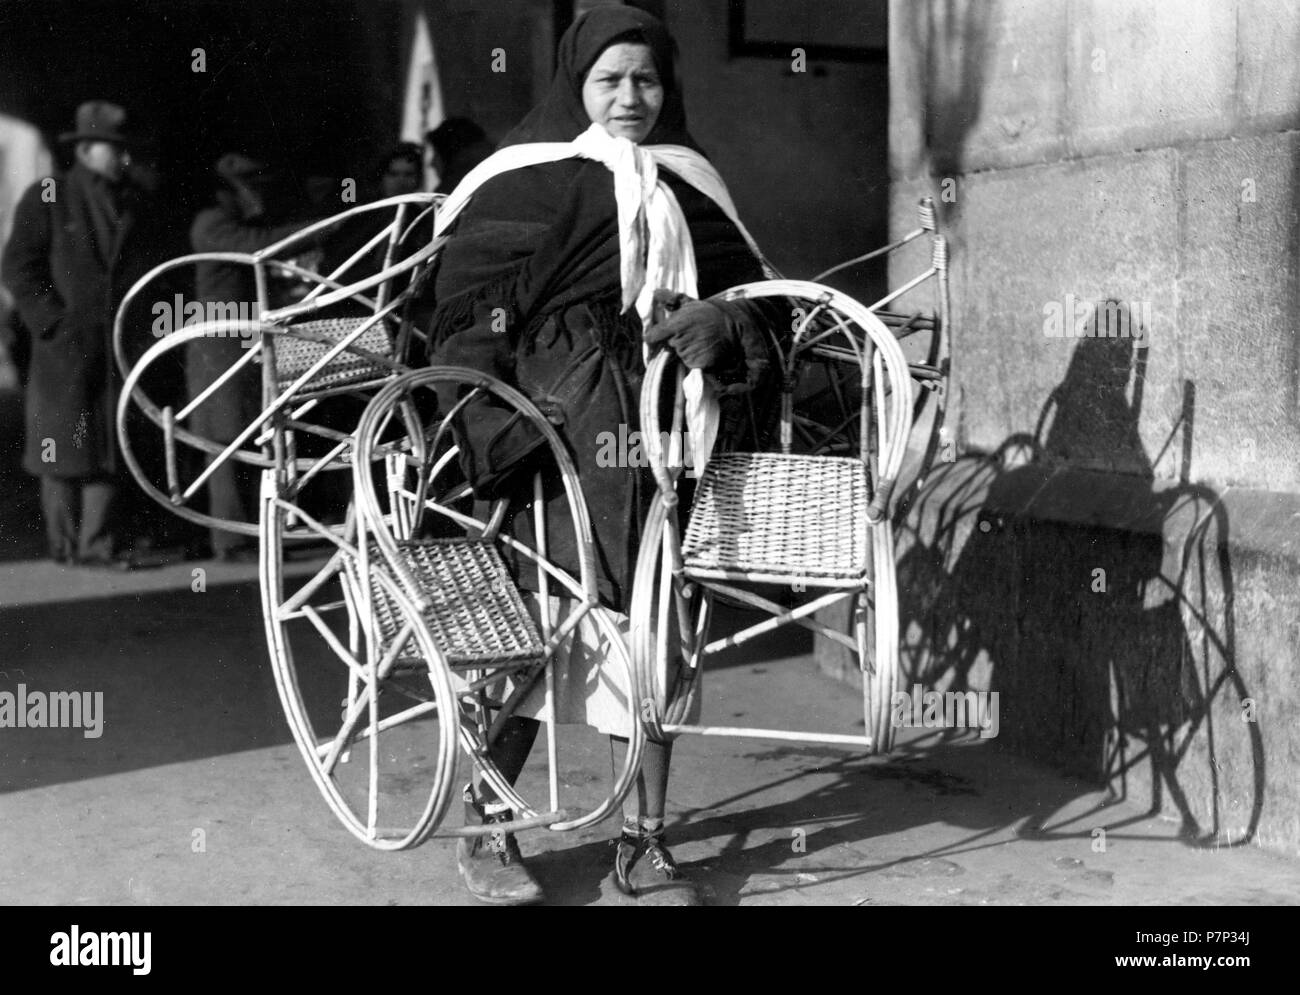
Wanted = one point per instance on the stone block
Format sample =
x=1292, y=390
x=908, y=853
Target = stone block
x=997, y=97
x=1268, y=76
x=1171, y=679
x=1146, y=75
x=1040, y=241
x=1238, y=294
x=909, y=31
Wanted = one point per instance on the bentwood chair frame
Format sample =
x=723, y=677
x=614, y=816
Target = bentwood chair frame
x=425, y=569
x=305, y=355
x=380, y=610
x=807, y=521
x=906, y=311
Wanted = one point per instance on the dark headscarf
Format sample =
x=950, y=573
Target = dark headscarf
x=561, y=117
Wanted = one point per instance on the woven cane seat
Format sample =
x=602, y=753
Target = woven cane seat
x=477, y=615
x=790, y=515
x=294, y=355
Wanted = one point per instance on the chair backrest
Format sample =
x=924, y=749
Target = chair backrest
x=401, y=256
x=306, y=349
x=411, y=211
x=918, y=309
x=828, y=323
x=318, y=311
x=901, y=309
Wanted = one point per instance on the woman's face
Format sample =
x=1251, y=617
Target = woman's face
x=623, y=93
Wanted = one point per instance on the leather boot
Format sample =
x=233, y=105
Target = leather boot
x=645, y=870
x=491, y=865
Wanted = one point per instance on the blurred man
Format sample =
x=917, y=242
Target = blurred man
x=79, y=242
x=254, y=208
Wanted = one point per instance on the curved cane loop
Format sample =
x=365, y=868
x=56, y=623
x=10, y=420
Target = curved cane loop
x=268, y=381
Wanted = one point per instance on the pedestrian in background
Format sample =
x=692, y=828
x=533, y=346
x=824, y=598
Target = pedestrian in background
x=254, y=208
x=79, y=241
x=402, y=171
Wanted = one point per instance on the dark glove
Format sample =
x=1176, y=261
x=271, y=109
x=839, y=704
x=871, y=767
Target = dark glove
x=699, y=332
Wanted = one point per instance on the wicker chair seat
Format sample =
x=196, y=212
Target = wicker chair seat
x=294, y=355
x=477, y=616
x=789, y=515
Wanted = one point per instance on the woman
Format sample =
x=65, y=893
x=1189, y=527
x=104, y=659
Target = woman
x=557, y=254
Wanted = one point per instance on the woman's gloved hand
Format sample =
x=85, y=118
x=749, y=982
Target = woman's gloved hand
x=699, y=332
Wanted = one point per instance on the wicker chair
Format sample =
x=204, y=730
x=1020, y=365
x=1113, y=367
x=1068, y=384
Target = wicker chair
x=811, y=521
x=443, y=645
x=339, y=340
x=343, y=336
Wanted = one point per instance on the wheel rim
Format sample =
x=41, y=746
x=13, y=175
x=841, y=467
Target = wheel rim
x=654, y=600
x=376, y=805
x=417, y=498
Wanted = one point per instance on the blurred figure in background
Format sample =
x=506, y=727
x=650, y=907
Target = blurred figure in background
x=458, y=146
x=255, y=207
x=79, y=242
x=401, y=172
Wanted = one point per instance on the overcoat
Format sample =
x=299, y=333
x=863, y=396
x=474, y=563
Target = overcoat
x=72, y=257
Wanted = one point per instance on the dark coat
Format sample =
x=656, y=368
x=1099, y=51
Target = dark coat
x=568, y=344
x=67, y=287
x=223, y=228
x=539, y=247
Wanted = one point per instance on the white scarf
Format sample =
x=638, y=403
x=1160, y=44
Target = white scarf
x=655, y=249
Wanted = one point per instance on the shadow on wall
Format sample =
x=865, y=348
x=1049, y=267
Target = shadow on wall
x=956, y=43
x=954, y=34
x=1112, y=648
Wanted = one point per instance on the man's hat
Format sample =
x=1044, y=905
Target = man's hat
x=99, y=121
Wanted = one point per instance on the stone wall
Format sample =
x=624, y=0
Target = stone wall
x=1115, y=548
x=1135, y=151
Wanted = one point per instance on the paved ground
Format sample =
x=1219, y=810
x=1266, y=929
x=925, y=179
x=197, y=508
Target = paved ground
x=194, y=792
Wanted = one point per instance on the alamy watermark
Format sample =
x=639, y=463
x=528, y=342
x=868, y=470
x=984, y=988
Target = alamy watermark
x=25, y=709
x=97, y=948
x=919, y=709
x=630, y=449
x=1110, y=319
x=226, y=319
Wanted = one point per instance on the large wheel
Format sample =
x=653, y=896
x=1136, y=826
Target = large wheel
x=368, y=696
x=670, y=618
x=483, y=579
